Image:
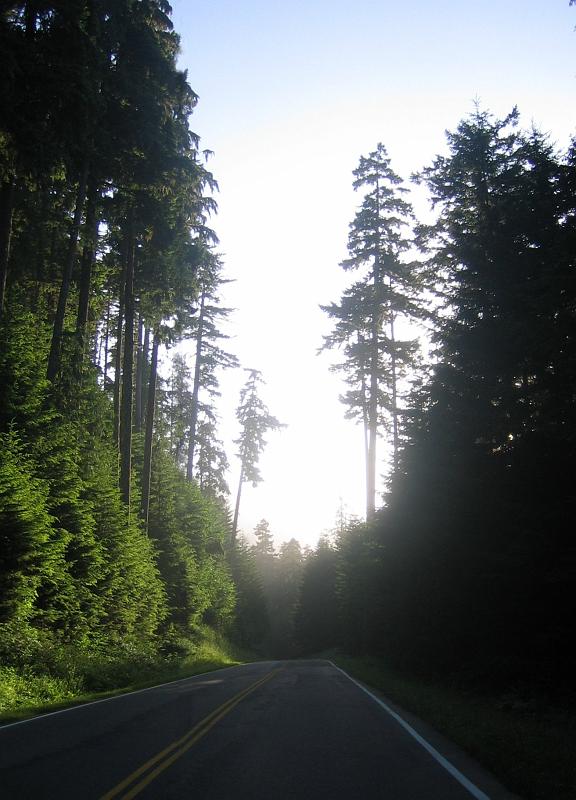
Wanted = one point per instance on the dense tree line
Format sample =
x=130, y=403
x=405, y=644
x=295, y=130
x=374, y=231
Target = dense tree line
x=268, y=595
x=114, y=527
x=470, y=565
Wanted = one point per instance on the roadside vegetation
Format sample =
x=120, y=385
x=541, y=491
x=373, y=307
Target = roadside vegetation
x=60, y=677
x=527, y=742
x=117, y=563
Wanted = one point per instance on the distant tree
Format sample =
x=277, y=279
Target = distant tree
x=178, y=406
x=283, y=597
x=255, y=421
x=211, y=460
x=184, y=408
x=209, y=355
x=265, y=558
x=251, y=624
x=317, y=615
x=366, y=317
x=264, y=545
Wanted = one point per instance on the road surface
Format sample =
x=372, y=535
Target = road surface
x=266, y=731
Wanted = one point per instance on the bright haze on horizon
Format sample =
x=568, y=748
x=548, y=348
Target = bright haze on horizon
x=291, y=95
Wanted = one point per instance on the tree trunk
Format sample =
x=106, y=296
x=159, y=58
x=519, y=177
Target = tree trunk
x=372, y=439
x=394, y=387
x=58, y=327
x=373, y=404
x=374, y=364
x=237, y=507
x=127, y=368
x=118, y=357
x=6, y=211
x=145, y=373
x=106, y=340
x=150, y=403
x=87, y=264
x=365, y=424
x=139, y=378
x=195, y=390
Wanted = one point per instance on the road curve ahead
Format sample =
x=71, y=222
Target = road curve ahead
x=265, y=731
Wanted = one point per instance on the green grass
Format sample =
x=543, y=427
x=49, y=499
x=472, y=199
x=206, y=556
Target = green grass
x=529, y=745
x=72, y=678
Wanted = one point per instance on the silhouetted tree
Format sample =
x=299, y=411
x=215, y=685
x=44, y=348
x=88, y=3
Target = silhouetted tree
x=255, y=422
x=366, y=317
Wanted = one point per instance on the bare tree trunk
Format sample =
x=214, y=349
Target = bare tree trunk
x=6, y=211
x=372, y=441
x=373, y=401
x=195, y=390
x=374, y=364
x=145, y=373
x=127, y=368
x=394, y=387
x=87, y=264
x=118, y=358
x=106, y=339
x=139, y=377
x=58, y=327
x=41, y=249
x=365, y=424
x=237, y=507
x=151, y=404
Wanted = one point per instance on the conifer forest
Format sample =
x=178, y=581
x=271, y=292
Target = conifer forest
x=455, y=341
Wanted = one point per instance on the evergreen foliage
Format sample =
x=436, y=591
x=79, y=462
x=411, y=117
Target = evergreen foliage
x=115, y=537
x=106, y=551
x=251, y=625
x=317, y=625
x=255, y=422
x=366, y=318
x=467, y=573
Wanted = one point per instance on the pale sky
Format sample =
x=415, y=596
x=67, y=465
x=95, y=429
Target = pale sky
x=291, y=95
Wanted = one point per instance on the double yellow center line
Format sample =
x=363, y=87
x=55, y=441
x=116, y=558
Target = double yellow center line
x=145, y=774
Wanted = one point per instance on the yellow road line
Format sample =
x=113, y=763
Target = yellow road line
x=171, y=753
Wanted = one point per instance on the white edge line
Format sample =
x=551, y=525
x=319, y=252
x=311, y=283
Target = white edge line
x=80, y=706
x=462, y=779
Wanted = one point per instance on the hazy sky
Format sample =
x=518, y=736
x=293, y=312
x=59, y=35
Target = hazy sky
x=291, y=94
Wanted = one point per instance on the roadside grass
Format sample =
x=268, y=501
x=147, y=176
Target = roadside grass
x=529, y=744
x=73, y=678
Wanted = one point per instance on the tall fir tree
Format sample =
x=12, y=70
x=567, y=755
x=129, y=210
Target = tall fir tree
x=366, y=318
x=255, y=421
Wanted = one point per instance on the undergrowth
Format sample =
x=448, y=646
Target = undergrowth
x=527, y=741
x=59, y=675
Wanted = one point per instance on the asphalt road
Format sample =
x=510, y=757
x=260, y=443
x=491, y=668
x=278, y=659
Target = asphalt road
x=264, y=731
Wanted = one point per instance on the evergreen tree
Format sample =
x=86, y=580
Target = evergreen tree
x=255, y=421
x=283, y=598
x=264, y=545
x=317, y=614
x=209, y=355
x=178, y=407
x=480, y=514
x=103, y=230
x=366, y=317
x=251, y=624
x=265, y=561
x=212, y=461
x=26, y=557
